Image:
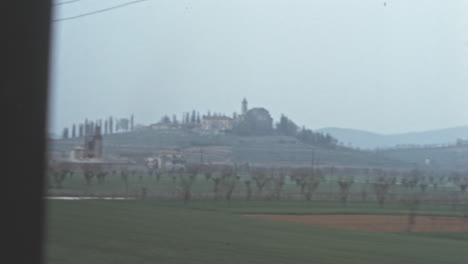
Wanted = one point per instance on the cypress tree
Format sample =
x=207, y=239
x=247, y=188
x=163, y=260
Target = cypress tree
x=194, y=119
x=65, y=133
x=111, y=125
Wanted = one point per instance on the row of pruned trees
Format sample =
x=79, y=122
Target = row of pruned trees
x=268, y=183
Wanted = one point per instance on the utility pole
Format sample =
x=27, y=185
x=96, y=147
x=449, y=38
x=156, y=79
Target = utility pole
x=201, y=156
x=312, y=162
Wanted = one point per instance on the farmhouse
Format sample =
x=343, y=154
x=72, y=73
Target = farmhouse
x=217, y=123
x=166, y=160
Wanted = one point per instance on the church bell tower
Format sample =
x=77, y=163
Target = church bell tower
x=244, y=106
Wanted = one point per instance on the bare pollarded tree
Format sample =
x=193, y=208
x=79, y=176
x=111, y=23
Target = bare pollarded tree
x=423, y=183
x=89, y=171
x=134, y=172
x=261, y=179
x=124, y=173
x=364, y=187
x=186, y=178
x=423, y=186
x=344, y=183
x=216, y=182
x=51, y=170
x=216, y=178
x=412, y=179
x=158, y=173
x=312, y=181
x=442, y=178
x=465, y=212
x=150, y=172
x=140, y=175
x=229, y=180
x=208, y=174
x=248, y=189
x=434, y=179
x=278, y=183
x=59, y=171
x=463, y=183
x=308, y=179
x=382, y=186
x=299, y=177
x=459, y=179
x=101, y=175
x=172, y=174
x=412, y=202
x=96, y=170
x=207, y=171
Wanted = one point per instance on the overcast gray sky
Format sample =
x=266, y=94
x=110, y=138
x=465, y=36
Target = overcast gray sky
x=394, y=67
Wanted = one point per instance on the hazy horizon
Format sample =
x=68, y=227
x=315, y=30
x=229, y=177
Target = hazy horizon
x=394, y=68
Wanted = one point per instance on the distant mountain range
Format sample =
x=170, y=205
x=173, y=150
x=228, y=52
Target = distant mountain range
x=369, y=140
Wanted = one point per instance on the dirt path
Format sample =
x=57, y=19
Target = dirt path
x=376, y=223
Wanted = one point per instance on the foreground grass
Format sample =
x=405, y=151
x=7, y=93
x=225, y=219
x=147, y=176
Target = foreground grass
x=170, y=232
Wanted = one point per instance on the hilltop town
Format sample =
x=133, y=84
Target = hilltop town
x=255, y=121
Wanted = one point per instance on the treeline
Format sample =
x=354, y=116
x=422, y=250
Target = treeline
x=187, y=118
x=287, y=127
x=109, y=125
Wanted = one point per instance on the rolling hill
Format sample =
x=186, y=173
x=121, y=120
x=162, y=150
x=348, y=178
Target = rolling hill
x=369, y=140
x=228, y=148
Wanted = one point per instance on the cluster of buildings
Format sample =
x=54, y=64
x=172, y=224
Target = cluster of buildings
x=166, y=160
x=217, y=123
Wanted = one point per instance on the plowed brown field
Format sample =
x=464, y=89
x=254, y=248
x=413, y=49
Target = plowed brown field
x=376, y=223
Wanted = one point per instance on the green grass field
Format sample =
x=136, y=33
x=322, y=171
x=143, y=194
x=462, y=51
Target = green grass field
x=151, y=231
